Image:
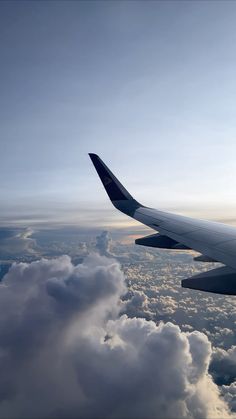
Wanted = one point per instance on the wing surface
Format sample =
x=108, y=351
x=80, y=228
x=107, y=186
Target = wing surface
x=215, y=241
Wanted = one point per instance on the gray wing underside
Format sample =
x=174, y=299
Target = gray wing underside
x=215, y=241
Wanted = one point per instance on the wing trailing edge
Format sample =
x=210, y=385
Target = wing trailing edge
x=160, y=241
x=220, y=281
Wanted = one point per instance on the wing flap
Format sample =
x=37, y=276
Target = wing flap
x=220, y=281
x=160, y=241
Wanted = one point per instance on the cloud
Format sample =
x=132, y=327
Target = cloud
x=16, y=242
x=136, y=305
x=66, y=352
x=229, y=393
x=103, y=243
x=223, y=365
x=105, y=246
x=160, y=280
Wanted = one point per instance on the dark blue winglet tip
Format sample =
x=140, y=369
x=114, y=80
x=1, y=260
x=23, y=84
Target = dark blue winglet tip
x=93, y=155
x=115, y=190
x=119, y=196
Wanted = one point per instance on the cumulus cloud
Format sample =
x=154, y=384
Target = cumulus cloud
x=103, y=243
x=16, y=242
x=66, y=352
x=160, y=281
x=223, y=365
x=106, y=247
x=229, y=393
x=136, y=305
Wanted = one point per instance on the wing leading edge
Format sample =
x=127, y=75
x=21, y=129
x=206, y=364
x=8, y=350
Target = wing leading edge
x=215, y=241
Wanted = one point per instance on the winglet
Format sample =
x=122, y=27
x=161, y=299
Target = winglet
x=119, y=196
x=114, y=189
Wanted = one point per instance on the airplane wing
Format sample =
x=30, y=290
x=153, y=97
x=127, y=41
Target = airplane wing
x=215, y=241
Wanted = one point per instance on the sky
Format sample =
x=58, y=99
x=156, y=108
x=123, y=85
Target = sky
x=92, y=325
x=149, y=86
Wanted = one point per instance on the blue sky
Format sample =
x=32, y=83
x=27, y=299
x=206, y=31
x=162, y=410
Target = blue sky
x=149, y=86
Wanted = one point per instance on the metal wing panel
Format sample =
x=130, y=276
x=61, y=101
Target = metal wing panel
x=207, y=237
x=162, y=216
x=202, y=237
x=228, y=246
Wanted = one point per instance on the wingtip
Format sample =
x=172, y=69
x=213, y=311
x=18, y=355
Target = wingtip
x=91, y=155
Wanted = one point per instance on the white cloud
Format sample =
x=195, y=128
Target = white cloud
x=229, y=393
x=223, y=365
x=65, y=352
x=103, y=243
x=17, y=242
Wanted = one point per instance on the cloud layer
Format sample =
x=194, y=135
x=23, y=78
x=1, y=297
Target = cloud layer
x=16, y=242
x=66, y=352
